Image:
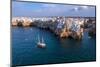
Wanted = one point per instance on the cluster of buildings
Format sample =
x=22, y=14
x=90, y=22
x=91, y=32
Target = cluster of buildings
x=61, y=26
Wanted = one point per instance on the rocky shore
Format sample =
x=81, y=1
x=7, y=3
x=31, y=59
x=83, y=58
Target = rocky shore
x=63, y=27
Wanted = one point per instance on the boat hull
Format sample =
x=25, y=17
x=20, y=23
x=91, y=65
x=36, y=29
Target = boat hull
x=41, y=45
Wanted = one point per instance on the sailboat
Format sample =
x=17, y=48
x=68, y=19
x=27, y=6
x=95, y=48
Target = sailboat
x=41, y=43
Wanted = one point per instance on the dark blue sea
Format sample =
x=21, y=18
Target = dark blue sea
x=26, y=52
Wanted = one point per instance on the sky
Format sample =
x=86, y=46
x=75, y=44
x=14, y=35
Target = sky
x=33, y=9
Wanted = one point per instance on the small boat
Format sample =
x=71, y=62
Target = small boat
x=41, y=43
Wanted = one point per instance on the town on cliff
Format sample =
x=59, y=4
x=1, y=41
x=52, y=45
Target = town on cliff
x=63, y=27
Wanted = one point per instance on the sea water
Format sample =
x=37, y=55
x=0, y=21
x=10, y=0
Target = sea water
x=58, y=50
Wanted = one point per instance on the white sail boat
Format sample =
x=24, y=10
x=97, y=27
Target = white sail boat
x=41, y=43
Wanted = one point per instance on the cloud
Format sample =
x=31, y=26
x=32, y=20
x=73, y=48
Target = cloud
x=49, y=5
x=80, y=8
x=84, y=7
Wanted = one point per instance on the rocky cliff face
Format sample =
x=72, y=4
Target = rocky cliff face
x=71, y=27
x=64, y=27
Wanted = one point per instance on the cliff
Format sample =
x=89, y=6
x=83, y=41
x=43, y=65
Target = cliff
x=64, y=27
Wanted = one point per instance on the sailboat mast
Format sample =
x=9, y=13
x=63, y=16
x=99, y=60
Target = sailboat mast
x=42, y=40
x=38, y=39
